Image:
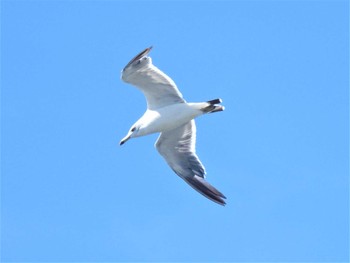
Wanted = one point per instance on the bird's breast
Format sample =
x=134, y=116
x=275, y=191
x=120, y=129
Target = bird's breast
x=168, y=118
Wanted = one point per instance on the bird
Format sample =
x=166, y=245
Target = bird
x=170, y=115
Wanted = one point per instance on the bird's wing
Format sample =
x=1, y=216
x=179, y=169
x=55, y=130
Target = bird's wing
x=158, y=88
x=178, y=149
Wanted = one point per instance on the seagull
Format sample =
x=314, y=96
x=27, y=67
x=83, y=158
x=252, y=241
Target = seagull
x=170, y=115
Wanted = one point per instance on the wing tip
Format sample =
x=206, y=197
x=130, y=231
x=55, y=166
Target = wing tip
x=138, y=56
x=206, y=189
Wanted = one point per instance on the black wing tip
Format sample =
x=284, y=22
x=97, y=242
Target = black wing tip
x=206, y=189
x=144, y=52
x=138, y=56
x=220, y=200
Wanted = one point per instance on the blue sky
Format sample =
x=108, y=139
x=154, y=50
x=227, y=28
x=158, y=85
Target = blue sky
x=279, y=151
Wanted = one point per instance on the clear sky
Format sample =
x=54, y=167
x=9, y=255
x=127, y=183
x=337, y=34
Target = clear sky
x=279, y=151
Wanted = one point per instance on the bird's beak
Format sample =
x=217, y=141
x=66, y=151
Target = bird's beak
x=125, y=139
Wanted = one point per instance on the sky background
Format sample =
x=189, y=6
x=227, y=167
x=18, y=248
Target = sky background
x=279, y=151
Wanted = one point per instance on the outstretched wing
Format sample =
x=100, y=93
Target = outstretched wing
x=158, y=88
x=178, y=149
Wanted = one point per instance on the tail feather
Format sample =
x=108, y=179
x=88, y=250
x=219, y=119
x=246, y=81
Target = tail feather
x=216, y=101
x=206, y=189
x=217, y=108
x=212, y=107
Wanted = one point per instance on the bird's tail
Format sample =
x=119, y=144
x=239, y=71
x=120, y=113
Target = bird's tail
x=202, y=186
x=212, y=106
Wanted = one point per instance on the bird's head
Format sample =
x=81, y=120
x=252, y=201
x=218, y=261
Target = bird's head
x=133, y=132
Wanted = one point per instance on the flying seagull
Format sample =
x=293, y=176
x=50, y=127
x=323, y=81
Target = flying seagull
x=170, y=115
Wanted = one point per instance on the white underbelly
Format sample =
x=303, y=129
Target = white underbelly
x=168, y=118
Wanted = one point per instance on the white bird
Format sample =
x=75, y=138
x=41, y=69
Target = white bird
x=170, y=115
